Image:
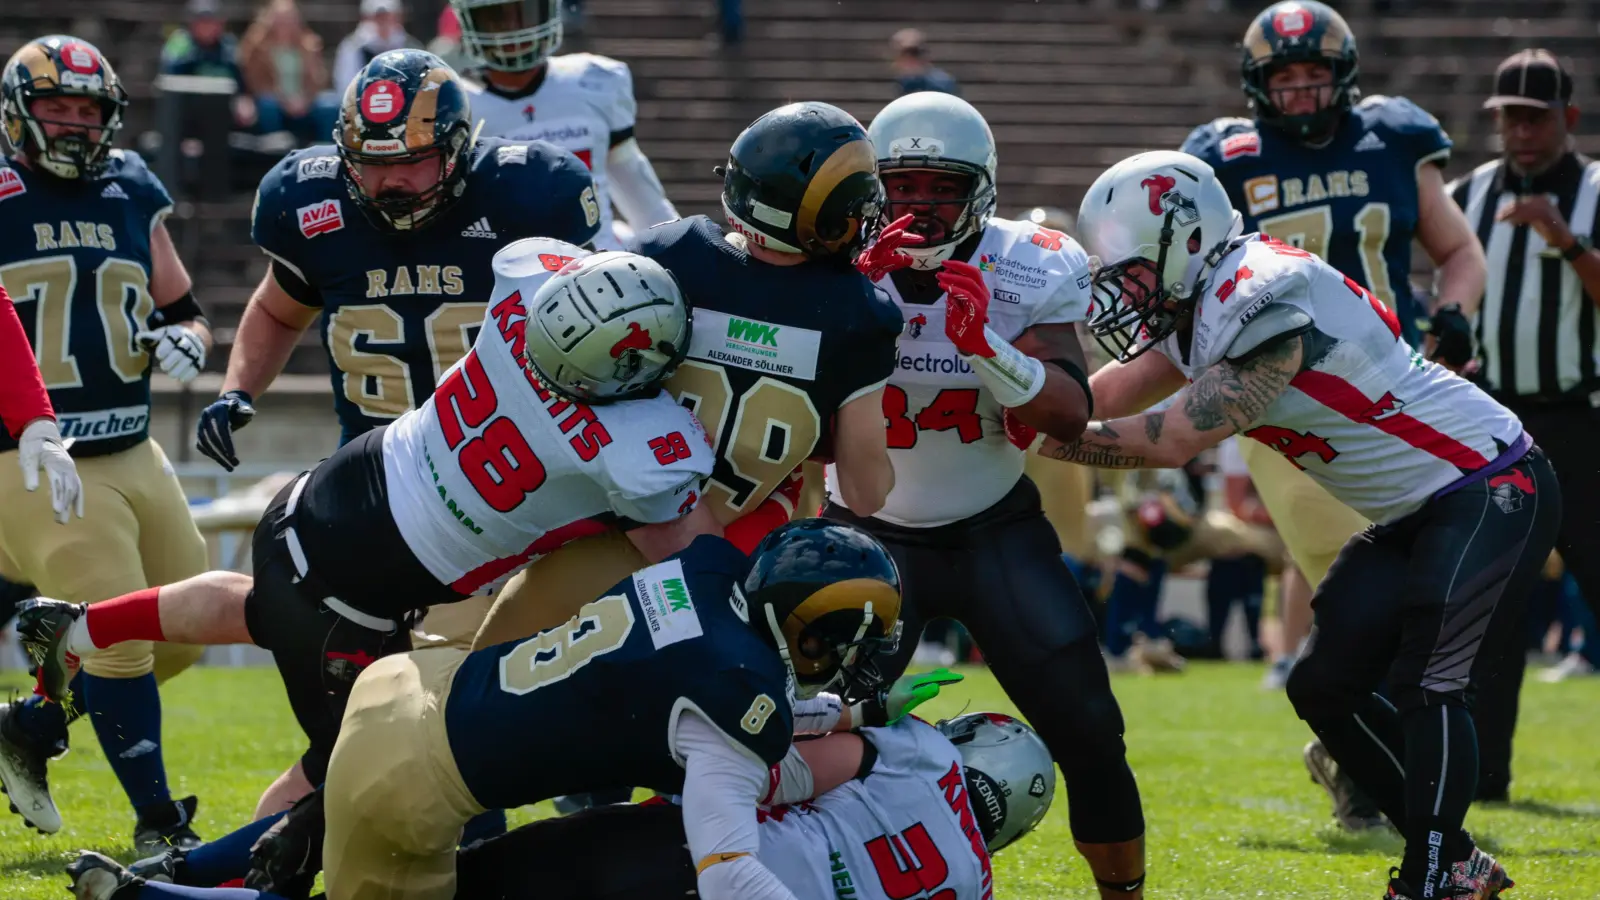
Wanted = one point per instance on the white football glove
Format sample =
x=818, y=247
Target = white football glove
x=40, y=445
x=179, y=350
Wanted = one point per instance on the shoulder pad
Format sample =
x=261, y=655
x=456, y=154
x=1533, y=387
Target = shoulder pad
x=141, y=184
x=1223, y=139
x=1275, y=320
x=1398, y=113
x=595, y=72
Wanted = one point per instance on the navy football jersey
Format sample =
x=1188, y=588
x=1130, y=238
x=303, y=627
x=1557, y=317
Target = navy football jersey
x=401, y=307
x=775, y=352
x=1352, y=202
x=75, y=258
x=592, y=704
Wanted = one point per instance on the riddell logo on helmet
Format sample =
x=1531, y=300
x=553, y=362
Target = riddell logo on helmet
x=1291, y=21
x=320, y=218
x=636, y=339
x=381, y=101
x=393, y=145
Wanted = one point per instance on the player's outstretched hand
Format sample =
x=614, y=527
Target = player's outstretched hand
x=227, y=414
x=911, y=691
x=884, y=255
x=966, y=307
x=40, y=447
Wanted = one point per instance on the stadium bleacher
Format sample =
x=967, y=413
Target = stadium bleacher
x=1068, y=86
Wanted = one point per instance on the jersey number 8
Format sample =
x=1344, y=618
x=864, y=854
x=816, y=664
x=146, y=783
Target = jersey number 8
x=551, y=655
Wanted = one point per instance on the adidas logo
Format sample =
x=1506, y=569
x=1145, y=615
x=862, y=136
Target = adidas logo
x=479, y=229
x=144, y=746
x=1370, y=141
x=114, y=191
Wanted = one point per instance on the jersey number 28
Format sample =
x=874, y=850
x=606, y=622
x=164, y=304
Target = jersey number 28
x=498, y=463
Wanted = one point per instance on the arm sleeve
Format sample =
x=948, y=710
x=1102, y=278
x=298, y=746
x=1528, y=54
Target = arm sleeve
x=721, y=787
x=635, y=189
x=791, y=780
x=22, y=394
x=817, y=715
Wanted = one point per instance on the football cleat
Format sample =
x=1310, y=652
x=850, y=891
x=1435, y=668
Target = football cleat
x=1351, y=806
x=1481, y=875
x=44, y=626
x=23, y=774
x=153, y=839
x=167, y=867
x=98, y=877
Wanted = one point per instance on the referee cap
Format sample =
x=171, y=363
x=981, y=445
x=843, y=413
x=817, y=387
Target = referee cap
x=1532, y=77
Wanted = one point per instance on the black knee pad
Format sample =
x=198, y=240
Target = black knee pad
x=1316, y=696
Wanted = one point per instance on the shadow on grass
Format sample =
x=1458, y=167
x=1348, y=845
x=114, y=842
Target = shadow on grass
x=1331, y=840
x=1545, y=810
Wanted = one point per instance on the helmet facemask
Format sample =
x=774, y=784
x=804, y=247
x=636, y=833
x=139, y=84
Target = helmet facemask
x=837, y=653
x=943, y=221
x=1317, y=125
x=405, y=210
x=510, y=35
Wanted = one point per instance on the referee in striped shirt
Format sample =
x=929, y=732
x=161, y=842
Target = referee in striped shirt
x=1535, y=211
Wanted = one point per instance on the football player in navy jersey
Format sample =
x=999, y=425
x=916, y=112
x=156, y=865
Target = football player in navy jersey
x=790, y=353
x=1354, y=181
x=104, y=299
x=385, y=238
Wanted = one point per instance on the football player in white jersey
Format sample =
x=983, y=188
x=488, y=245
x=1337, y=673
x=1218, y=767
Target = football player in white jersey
x=552, y=427
x=988, y=354
x=1277, y=345
x=580, y=102
x=841, y=816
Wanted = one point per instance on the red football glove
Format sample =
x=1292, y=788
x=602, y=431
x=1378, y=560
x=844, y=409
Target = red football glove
x=1018, y=432
x=966, y=308
x=884, y=255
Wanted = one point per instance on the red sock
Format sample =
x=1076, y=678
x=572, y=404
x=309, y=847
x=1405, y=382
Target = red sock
x=131, y=617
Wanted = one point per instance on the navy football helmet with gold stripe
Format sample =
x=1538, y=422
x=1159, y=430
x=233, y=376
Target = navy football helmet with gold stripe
x=826, y=595
x=406, y=107
x=60, y=66
x=1299, y=31
x=803, y=179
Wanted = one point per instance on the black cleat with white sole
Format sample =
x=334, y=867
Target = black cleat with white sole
x=23, y=773
x=96, y=876
x=153, y=836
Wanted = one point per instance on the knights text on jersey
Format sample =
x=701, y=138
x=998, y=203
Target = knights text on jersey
x=670, y=638
x=947, y=433
x=399, y=308
x=1376, y=424
x=493, y=470
x=914, y=803
x=776, y=351
x=584, y=104
x=75, y=258
x=1352, y=202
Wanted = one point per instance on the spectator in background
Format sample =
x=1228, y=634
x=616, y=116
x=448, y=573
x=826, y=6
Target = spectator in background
x=283, y=68
x=379, y=32
x=446, y=43
x=912, y=68
x=204, y=47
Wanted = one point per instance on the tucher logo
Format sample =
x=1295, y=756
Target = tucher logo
x=104, y=423
x=320, y=218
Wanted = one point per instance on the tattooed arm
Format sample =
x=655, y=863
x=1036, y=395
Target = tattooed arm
x=1223, y=400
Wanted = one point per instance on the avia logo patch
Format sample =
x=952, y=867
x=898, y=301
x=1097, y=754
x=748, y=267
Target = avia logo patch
x=320, y=218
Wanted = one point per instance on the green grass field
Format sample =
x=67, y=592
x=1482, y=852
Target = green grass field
x=1231, y=811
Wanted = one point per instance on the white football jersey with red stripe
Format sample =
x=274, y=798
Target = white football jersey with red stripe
x=494, y=470
x=1374, y=422
x=906, y=830
x=947, y=436
x=584, y=100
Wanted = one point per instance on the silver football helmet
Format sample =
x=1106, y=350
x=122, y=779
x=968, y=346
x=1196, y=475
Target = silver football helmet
x=606, y=327
x=510, y=35
x=941, y=132
x=1011, y=778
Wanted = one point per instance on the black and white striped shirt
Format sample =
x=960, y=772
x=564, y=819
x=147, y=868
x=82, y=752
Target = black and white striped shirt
x=1536, y=326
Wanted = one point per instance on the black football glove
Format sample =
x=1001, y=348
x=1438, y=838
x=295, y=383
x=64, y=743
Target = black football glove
x=286, y=858
x=1453, y=333
x=218, y=422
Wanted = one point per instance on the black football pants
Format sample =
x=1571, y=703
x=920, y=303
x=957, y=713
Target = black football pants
x=318, y=652
x=1000, y=574
x=1415, y=603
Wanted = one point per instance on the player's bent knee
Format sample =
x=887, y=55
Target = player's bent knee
x=129, y=659
x=1089, y=720
x=1315, y=693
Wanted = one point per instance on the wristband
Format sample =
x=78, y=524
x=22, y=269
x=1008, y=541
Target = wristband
x=1011, y=375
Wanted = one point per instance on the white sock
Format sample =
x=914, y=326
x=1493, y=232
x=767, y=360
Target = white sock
x=78, y=641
